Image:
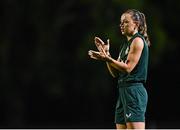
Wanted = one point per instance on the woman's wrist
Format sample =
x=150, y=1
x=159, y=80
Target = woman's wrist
x=108, y=54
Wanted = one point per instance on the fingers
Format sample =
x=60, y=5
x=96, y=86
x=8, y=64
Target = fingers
x=102, y=50
x=108, y=41
x=98, y=41
x=96, y=55
x=90, y=52
x=99, y=44
x=102, y=47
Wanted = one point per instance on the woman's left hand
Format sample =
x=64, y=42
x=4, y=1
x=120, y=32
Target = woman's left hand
x=99, y=55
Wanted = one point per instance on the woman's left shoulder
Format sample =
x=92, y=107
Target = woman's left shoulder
x=138, y=42
x=138, y=39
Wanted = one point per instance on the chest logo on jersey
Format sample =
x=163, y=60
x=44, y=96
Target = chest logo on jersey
x=127, y=51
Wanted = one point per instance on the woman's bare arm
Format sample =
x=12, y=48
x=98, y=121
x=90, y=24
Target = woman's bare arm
x=132, y=59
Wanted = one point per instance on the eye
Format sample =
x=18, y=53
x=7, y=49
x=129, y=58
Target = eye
x=126, y=21
x=121, y=23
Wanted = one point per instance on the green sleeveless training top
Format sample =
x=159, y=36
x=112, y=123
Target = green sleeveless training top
x=139, y=73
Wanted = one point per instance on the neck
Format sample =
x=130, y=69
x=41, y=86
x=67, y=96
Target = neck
x=130, y=36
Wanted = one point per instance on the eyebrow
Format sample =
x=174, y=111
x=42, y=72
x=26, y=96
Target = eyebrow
x=124, y=20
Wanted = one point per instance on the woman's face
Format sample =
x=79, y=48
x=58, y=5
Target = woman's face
x=127, y=25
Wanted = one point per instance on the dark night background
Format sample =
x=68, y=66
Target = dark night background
x=47, y=79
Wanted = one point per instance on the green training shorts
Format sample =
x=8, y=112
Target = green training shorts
x=131, y=103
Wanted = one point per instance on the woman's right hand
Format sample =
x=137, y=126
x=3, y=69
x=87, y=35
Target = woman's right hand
x=101, y=45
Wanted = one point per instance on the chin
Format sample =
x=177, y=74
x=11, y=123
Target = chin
x=123, y=33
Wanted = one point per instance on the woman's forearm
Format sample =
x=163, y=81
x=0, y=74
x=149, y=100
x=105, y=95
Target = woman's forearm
x=120, y=66
x=112, y=70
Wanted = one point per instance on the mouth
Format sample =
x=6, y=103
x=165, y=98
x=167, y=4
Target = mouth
x=122, y=30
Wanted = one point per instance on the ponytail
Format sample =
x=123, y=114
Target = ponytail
x=143, y=28
x=140, y=18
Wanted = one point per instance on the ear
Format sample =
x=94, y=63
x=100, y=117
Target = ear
x=137, y=24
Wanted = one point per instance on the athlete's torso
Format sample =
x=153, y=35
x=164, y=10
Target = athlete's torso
x=139, y=73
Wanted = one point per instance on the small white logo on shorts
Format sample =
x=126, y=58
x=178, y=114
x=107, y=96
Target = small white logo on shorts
x=128, y=115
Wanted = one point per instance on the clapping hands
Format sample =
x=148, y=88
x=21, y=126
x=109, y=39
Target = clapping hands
x=103, y=50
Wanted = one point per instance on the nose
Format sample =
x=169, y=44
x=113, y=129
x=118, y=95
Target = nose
x=121, y=24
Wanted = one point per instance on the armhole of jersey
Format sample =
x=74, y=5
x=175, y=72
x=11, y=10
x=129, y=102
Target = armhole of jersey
x=144, y=41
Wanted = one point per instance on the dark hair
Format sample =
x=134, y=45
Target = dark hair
x=140, y=18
